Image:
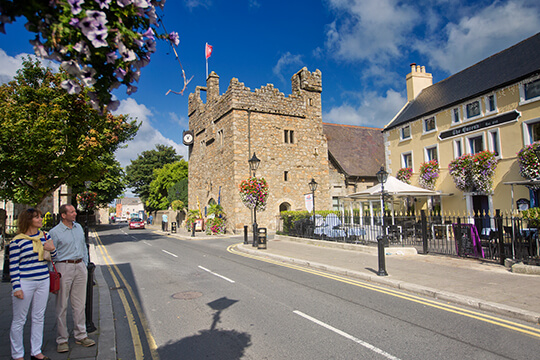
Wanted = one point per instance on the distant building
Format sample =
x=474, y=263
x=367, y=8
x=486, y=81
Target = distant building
x=288, y=136
x=128, y=207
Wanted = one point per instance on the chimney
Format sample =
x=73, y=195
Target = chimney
x=417, y=81
x=212, y=87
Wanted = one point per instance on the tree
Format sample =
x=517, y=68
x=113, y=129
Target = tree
x=179, y=192
x=102, y=43
x=164, y=178
x=141, y=171
x=49, y=137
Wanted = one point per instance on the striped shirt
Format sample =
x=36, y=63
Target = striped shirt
x=24, y=262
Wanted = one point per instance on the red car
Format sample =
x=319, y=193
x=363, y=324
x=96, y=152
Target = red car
x=136, y=224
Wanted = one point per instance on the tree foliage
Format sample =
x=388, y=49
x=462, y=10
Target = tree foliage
x=49, y=137
x=164, y=178
x=102, y=43
x=179, y=192
x=140, y=172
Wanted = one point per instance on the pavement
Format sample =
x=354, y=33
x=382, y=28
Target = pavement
x=472, y=283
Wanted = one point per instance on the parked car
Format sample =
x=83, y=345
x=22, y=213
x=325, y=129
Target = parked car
x=136, y=223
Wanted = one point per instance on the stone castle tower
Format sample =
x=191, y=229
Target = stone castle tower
x=286, y=133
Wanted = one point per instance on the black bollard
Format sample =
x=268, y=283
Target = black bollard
x=90, y=327
x=245, y=234
x=193, y=230
x=382, y=262
x=5, y=273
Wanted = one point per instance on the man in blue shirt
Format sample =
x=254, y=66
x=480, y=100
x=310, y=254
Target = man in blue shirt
x=71, y=262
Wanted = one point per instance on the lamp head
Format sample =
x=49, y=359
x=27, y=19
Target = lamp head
x=254, y=162
x=313, y=185
x=382, y=175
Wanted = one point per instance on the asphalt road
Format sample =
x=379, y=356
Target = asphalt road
x=198, y=299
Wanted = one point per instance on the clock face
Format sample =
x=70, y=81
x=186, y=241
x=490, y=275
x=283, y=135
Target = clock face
x=188, y=138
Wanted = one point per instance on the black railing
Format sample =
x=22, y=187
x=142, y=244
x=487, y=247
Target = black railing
x=493, y=238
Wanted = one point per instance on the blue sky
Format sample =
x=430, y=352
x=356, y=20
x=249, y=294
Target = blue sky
x=364, y=49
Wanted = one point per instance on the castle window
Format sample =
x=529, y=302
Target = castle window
x=220, y=137
x=288, y=136
x=285, y=176
x=406, y=132
x=429, y=124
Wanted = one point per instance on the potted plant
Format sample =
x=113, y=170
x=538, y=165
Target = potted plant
x=216, y=219
x=404, y=174
x=254, y=193
x=429, y=173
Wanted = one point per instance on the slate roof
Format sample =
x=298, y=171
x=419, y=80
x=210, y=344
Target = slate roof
x=502, y=69
x=359, y=151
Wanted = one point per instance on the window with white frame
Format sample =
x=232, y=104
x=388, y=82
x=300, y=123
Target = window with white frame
x=431, y=153
x=494, y=143
x=429, y=124
x=476, y=144
x=455, y=116
x=406, y=160
x=405, y=132
x=532, y=130
x=458, y=148
x=473, y=109
x=491, y=106
x=530, y=91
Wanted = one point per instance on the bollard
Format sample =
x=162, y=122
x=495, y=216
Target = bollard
x=245, y=234
x=382, y=262
x=5, y=272
x=90, y=327
x=193, y=230
x=173, y=227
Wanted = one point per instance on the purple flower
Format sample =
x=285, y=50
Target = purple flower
x=103, y=4
x=98, y=38
x=111, y=57
x=123, y=3
x=173, y=36
x=76, y=6
x=143, y=4
x=149, y=33
x=71, y=86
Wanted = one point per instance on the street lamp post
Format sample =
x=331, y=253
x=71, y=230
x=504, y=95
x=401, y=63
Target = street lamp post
x=382, y=175
x=313, y=186
x=253, y=166
x=90, y=327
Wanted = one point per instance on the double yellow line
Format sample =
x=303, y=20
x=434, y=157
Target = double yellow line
x=529, y=330
x=120, y=281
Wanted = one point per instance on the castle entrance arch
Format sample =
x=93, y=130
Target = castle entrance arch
x=284, y=206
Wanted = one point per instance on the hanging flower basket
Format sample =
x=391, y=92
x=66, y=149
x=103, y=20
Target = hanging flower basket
x=254, y=193
x=429, y=173
x=474, y=172
x=404, y=174
x=87, y=200
x=529, y=165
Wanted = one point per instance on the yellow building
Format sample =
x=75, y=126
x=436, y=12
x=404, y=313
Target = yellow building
x=493, y=105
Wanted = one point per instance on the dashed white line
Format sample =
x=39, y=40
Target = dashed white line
x=350, y=337
x=147, y=243
x=170, y=253
x=220, y=276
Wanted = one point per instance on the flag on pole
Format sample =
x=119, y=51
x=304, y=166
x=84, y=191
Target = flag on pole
x=207, y=53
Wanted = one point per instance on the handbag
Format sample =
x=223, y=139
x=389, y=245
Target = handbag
x=54, y=280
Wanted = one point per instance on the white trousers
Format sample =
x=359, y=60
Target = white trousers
x=72, y=290
x=37, y=294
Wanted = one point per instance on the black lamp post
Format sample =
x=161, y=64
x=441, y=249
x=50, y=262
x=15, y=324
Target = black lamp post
x=313, y=186
x=382, y=176
x=253, y=166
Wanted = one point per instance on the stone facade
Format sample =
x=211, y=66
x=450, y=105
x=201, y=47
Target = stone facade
x=285, y=132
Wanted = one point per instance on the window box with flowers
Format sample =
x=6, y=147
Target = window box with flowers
x=429, y=173
x=474, y=173
x=404, y=174
x=254, y=193
x=529, y=166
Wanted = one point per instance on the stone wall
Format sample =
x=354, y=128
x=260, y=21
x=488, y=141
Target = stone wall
x=229, y=128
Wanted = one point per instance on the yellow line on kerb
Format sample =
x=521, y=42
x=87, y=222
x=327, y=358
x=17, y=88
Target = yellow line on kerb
x=137, y=344
x=432, y=303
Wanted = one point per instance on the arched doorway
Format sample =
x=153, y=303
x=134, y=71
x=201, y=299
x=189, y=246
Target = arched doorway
x=285, y=206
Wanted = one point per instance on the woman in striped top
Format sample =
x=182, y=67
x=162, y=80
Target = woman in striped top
x=30, y=281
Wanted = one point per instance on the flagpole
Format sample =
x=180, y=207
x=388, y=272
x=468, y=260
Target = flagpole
x=205, y=55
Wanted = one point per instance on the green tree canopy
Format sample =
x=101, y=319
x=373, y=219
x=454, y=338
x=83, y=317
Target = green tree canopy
x=141, y=171
x=49, y=137
x=179, y=191
x=164, y=178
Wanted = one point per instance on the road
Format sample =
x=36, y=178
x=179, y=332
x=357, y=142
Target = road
x=199, y=299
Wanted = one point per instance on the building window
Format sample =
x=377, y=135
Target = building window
x=288, y=136
x=285, y=176
x=406, y=132
x=203, y=147
x=335, y=203
x=476, y=144
x=455, y=116
x=531, y=90
x=473, y=109
x=406, y=160
x=494, y=143
x=431, y=153
x=458, y=148
x=534, y=132
x=220, y=137
x=490, y=103
x=429, y=124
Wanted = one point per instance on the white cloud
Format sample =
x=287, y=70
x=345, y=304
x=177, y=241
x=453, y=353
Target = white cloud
x=147, y=138
x=285, y=62
x=474, y=38
x=9, y=65
x=192, y=4
x=371, y=31
x=373, y=110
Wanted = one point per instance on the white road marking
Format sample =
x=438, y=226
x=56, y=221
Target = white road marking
x=350, y=337
x=166, y=252
x=220, y=276
x=147, y=243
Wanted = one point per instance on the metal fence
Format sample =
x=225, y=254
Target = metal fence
x=493, y=238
